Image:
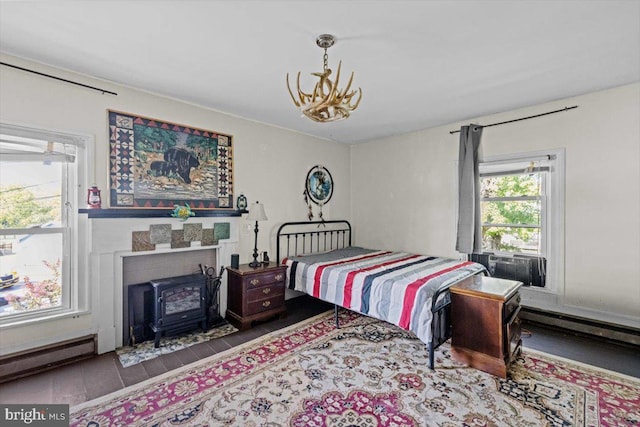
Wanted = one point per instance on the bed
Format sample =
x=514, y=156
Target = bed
x=407, y=290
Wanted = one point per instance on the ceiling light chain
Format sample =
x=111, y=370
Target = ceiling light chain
x=326, y=103
x=326, y=59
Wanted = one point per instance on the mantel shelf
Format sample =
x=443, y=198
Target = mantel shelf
x=156, y=213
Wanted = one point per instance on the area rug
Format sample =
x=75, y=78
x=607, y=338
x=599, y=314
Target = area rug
x=131, y=355
x=367, y=374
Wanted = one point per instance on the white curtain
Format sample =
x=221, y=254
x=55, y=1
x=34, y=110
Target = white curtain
x=469, y=238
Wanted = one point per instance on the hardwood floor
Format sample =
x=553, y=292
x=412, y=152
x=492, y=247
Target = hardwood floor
x=596, y=351
x=103, y=374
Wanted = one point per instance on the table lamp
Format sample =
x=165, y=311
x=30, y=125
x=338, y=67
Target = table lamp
x=256, y=213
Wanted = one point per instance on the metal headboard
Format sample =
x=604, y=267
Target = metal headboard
x=305, y=237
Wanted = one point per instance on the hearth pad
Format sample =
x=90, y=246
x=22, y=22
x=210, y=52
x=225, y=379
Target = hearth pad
x=131, y=355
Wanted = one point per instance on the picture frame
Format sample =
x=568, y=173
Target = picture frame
x=319, y=185
x=156, y=164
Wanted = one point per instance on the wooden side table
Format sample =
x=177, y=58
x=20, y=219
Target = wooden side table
x=486, y=327
x=255, y=293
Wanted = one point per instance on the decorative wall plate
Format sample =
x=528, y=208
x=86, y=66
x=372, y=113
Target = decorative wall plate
x=319, y=185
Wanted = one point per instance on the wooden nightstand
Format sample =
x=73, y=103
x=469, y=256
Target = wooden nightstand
x=486, y=327
x=255, y=293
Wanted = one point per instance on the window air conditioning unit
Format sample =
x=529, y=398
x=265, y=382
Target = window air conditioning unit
x=530, y=270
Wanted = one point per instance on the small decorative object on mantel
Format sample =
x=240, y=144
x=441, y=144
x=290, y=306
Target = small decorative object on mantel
x=265, y=258
x=241, y=203
x=182, y=212
x=318, y=189
x=93, y=198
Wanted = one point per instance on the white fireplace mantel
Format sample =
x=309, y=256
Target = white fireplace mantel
x=110, y=242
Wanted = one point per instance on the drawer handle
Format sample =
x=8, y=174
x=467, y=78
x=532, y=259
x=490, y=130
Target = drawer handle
x=255, y=282
x=266, y=303
x=279, y=276
x=266, y=290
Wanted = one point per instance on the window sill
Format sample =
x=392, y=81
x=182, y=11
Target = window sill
x=537, y=289
x=35, y=318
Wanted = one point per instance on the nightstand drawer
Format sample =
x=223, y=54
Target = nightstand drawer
x=269, y=278
x=513, y=335
x=254, y=307
x=266, y=291
x=511, y=306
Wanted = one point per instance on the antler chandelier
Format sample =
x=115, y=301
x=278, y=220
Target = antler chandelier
x=326, y=103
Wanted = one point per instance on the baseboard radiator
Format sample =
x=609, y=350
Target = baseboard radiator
x=28, y=362
x=622, y=334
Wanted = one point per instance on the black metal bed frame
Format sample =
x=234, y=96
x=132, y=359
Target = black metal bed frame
x=336, y=234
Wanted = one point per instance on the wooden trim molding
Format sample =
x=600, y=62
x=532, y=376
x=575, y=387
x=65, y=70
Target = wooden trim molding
x=28, y=362
x=621, y=334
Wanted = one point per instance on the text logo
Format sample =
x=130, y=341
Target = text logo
x=54, y=415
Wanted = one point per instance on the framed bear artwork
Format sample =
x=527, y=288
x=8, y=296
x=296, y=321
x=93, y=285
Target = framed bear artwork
x=158, y=164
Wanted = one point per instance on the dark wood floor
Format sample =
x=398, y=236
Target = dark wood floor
x=103, y=374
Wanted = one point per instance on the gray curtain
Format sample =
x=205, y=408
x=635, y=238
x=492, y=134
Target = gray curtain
x=469, y=237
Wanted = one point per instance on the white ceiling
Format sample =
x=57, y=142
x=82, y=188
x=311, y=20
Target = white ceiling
x=419, y=63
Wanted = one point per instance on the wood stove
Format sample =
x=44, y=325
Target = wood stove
x=179, y=305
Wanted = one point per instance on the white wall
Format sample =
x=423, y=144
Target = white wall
x=404, y=195
x=270, y=164
x=399, y=192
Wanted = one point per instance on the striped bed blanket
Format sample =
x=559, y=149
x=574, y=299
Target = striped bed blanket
x=396, y=287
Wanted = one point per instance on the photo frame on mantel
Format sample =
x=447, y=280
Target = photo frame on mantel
x=159, y=164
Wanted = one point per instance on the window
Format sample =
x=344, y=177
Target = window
x=522, y=209
x=39, y=175
x=513, y=206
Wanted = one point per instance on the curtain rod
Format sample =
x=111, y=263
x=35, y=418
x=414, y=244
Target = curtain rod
x=59, y=78
x=521, y=118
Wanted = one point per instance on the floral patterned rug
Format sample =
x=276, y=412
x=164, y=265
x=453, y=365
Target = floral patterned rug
x=130, y=355
x=367, y=374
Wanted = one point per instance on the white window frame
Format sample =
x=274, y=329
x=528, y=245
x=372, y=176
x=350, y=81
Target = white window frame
x=75, y=291
x=552, y=210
